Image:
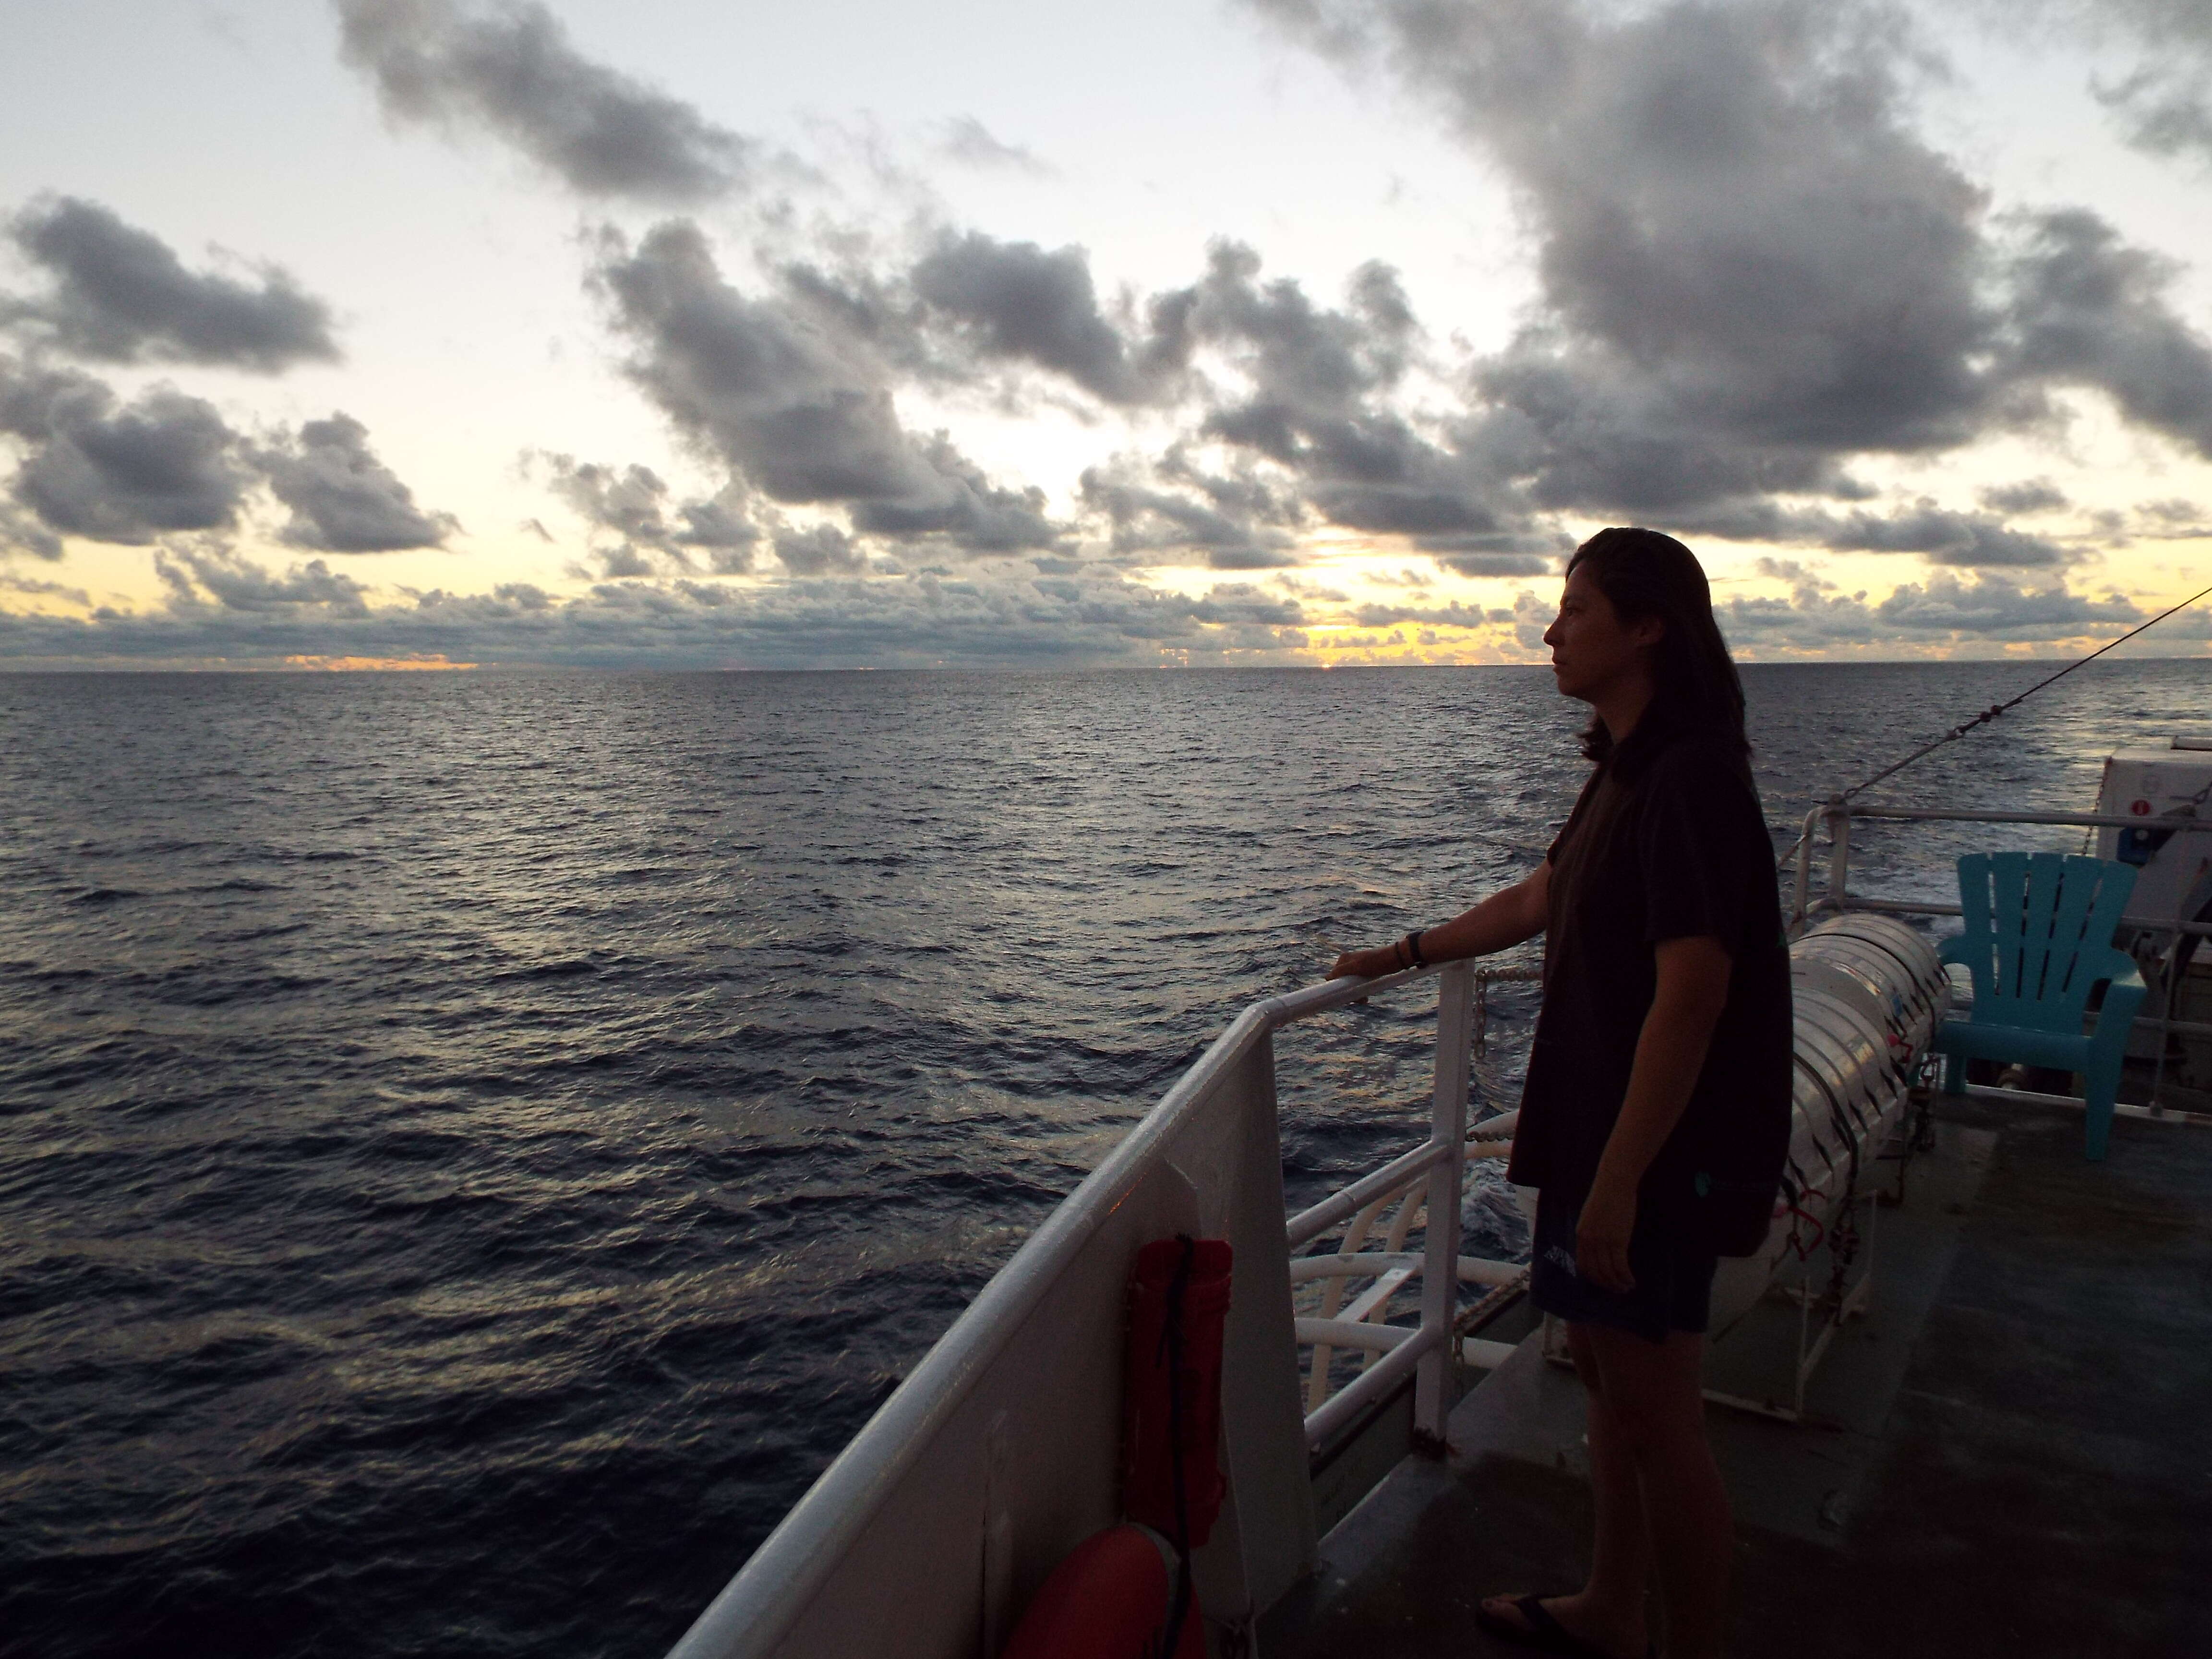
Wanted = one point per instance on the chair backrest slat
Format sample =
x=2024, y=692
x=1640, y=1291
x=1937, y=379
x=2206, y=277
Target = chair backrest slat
x=1979, y=938
x=2031, y=919
x=2069, y=916
x=2021, y=903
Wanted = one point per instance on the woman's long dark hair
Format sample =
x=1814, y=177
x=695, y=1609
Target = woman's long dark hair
x=1695, y=689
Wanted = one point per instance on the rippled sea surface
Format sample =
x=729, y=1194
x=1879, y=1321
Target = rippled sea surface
x=472, y=1147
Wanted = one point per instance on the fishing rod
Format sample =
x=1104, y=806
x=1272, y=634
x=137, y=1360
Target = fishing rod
x=1996, y=709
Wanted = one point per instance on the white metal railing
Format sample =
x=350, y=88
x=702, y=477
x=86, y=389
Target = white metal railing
x=1425, y=1181
x=997, y=1454
x=1406, y=1191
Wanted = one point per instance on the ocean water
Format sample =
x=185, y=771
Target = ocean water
x=473, y=1146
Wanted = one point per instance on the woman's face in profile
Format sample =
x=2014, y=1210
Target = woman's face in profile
x=1590, y=648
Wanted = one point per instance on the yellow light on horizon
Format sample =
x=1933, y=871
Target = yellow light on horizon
x=374, y=665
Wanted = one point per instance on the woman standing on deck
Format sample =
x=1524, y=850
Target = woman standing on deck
x=1656, y=1115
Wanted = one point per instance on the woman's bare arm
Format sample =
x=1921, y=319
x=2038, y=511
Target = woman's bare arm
x=1506, y=917
x=1670, y=1051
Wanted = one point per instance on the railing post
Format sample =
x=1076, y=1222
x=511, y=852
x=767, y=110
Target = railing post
x=1440, y=1268
x=1804, y=857
x=1840, y=853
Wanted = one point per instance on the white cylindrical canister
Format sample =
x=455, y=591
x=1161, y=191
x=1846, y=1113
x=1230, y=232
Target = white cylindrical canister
x=1869, y=995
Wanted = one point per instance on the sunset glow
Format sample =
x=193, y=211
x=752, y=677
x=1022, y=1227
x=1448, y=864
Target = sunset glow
x=1283, y=333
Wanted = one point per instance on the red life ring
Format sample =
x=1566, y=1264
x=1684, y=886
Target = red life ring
x=1115, y=1594
x=1149, y=1402
x=1106, y=1599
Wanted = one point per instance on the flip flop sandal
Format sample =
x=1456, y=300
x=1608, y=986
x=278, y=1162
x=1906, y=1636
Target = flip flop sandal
x=1542, y=1631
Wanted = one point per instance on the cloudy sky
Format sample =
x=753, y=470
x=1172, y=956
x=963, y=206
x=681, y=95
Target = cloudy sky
x=1177, y=332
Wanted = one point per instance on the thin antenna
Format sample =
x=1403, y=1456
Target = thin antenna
x=1996, y=709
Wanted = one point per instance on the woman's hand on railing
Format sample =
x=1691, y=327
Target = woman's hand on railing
x=1367, y=965
x=1508, y=917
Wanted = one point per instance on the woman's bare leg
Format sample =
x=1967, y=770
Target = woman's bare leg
x=1609, y=1609
x=1656, y=1408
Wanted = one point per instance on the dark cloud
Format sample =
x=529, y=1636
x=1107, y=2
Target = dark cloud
x=511, y=71
x=971, y=515
x=1946, y=611
x=718, y=524
x=225, y=609
x=620, y=562
x=120, y=294
x=1941, y=537
x=1014, y=300
x=1314, y=392
x=1938, y=534
x=1750, y=266
x=96, y=467
x=2026, y=496
x=2175, y=515
x=1171, y=511
x=1531, y=618
x=1473, y=561
x=819, y=550
x=1242, y=604
x=1317, y=382
x=21, y=532
x=1305, y=387
x=1305, y=361
x=1407, y=577
x=2090, y=310
x=970, y=308
x=342, y=499
x=2164, y=104
x=878, y=313
x=973, y=313
x=2164, y=110
x=1304, y=398
x=794, y=390
x=801, y=409
x=633, y=503
x=1754, y=270
x=629, y=501
x=312, y=591
x=798, y=408
x=1993, y=607
x=1454, y=615
x=16, y=583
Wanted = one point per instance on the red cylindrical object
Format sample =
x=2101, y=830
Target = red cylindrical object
x=1106, y=1600
x=1148, y=1492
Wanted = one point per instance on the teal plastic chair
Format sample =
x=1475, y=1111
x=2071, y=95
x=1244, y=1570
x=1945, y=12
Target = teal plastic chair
x=2039, y=936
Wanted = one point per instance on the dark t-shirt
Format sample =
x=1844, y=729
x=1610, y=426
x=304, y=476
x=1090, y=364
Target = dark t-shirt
x=1667, y=842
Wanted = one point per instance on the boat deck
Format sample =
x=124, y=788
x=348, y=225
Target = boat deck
x=2016, y=1455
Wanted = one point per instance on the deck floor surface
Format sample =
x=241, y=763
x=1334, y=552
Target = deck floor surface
x=2017, y=1460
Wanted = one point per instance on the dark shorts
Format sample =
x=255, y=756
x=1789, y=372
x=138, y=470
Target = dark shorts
x=1674, y=1286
